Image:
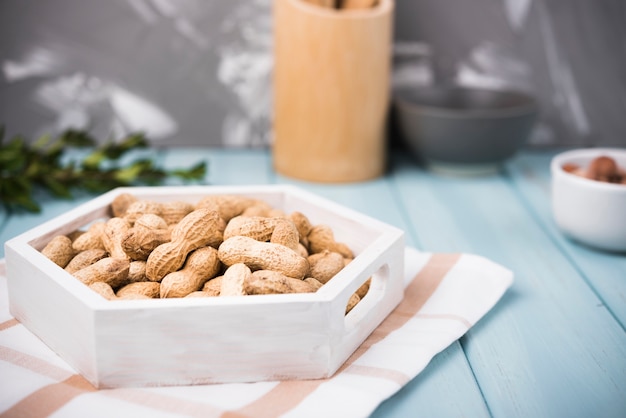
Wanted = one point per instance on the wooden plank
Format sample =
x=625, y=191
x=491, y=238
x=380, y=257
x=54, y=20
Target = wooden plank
x=604, y=271
x=550, y=347
x=446, y=388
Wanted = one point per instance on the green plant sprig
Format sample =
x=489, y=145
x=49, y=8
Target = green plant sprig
x=26, y=168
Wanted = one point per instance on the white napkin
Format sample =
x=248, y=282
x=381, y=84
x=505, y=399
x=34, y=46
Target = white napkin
x=446, y=294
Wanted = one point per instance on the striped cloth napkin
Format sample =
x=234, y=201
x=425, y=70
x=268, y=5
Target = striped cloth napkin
x=446, y=294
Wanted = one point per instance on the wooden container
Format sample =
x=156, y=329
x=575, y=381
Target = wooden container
x=207, y=340
x=331, y=90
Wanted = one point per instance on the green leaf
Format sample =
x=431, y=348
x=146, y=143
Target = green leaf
x=197, y=172
x=79, y=139
x=16, y=186
x=134, y=141
x=11, y=163
x=28, y=203
x=41, y=142
x=26, y=168
x=22, y=183
x=131, y=173
x=94, y=159
x=57, y=188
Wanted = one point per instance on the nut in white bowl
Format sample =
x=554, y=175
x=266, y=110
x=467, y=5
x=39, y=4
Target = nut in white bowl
x=590, y=211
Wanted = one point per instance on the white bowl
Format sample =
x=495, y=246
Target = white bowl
x=589, y=211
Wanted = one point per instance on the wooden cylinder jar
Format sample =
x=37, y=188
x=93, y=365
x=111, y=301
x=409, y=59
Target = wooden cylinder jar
x=331, y=91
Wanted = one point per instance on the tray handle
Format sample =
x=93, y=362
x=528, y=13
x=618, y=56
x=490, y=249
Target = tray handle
x=385, y=293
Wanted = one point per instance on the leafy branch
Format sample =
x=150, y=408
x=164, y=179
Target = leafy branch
x=44, y=164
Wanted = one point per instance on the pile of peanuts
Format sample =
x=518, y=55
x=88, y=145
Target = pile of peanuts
x=224, y=245
x=602, y=168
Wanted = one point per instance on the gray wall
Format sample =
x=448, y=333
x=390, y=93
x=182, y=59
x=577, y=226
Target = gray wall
x=571, y=54
x=198, y=72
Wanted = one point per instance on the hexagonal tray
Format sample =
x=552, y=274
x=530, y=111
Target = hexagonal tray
x=207, y=340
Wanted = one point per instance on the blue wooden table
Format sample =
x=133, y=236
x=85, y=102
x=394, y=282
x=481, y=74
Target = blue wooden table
x=554, y=346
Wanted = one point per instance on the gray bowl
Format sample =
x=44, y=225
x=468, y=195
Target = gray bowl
x=464, y=130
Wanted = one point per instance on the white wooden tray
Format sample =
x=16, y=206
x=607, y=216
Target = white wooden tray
x=207, y=340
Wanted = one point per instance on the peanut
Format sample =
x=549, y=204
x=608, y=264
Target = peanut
x=277, y=230
x=149, y=232
x=138, y=243
x=114, y=231
x=113, y=271
x=84, y=259
x=149, y=289
x=103, y=289
x=364, y=288
x=174, y=212
x=263, y=282
x=263, y=256
x=228, y=206
x=202, y=227
x=213, y=286
x=91, y=239
x=302, y=250
x=321, y=237
x=108, y=293
x=133, y=296
x=352, y=302
x=256, y=227
x=303, y=225
x=325, y=264
x=141, y=207
x=314, y=282
x=234, y=278
x=150, y=221
x=258, y=208
x=201, y=265
x=285, y=233
x=120, y=204
x=200, y=294
x=137, y=271
x=170, y=212
x=264, y=210
x=59, y=250
x=75, y=234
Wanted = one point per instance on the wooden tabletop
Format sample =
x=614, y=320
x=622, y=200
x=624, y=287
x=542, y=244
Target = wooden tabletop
x=555, y=344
